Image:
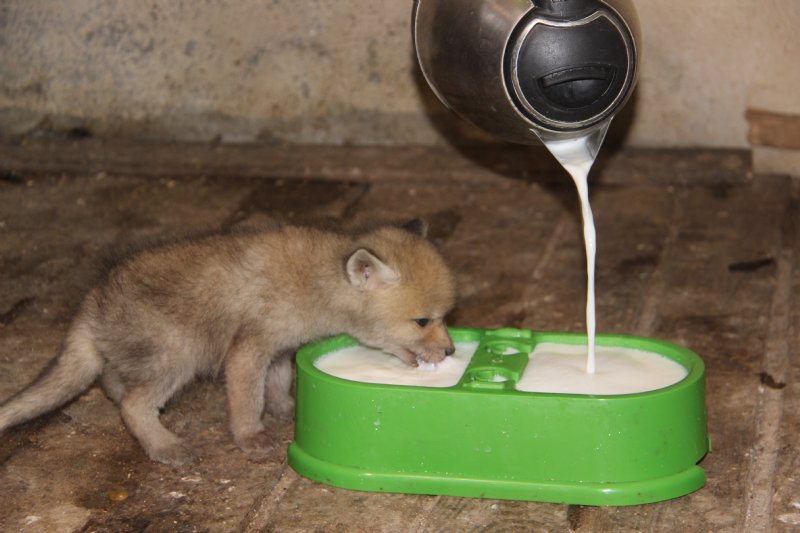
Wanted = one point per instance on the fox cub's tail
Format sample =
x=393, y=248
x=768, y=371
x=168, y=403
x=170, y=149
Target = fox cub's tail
x=69, y=374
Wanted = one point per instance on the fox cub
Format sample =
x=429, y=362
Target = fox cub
x=240, y=304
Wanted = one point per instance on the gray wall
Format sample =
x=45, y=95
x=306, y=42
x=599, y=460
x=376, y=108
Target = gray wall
x=343, y=71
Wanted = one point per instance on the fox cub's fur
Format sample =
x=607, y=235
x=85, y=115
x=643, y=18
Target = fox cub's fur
x=241, y=303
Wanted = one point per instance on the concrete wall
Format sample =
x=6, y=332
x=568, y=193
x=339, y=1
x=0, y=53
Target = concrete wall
x=343, y=71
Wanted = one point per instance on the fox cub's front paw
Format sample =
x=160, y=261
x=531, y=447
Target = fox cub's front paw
x=256, y=444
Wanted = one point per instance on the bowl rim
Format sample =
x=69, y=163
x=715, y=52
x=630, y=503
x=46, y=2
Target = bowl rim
x=309, y=353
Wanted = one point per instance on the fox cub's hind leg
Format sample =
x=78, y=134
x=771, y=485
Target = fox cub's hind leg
x=140, y=406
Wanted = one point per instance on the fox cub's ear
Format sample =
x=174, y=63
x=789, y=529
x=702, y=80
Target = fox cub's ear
x=416, y=226
x=366, y=272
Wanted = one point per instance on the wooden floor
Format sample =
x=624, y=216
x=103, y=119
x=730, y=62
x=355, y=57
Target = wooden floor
x=692, y=248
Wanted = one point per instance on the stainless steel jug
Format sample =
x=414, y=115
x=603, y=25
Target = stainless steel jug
x=527, y=70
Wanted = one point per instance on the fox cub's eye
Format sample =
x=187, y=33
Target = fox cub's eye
x=422, y=322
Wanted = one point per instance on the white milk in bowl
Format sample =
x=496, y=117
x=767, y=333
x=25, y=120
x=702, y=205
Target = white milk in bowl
x=560, y=368
x=369, y=365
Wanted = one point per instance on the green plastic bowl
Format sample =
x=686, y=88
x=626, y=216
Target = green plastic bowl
x=482, y=438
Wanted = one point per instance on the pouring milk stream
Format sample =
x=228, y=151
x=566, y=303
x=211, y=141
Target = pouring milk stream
x=577, y=155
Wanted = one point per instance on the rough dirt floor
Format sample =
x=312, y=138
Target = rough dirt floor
x=693, y=249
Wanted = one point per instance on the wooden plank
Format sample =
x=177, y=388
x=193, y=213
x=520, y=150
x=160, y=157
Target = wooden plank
x=784, y=390
x=340, y=163
x=778, y=130
x=421, y=164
